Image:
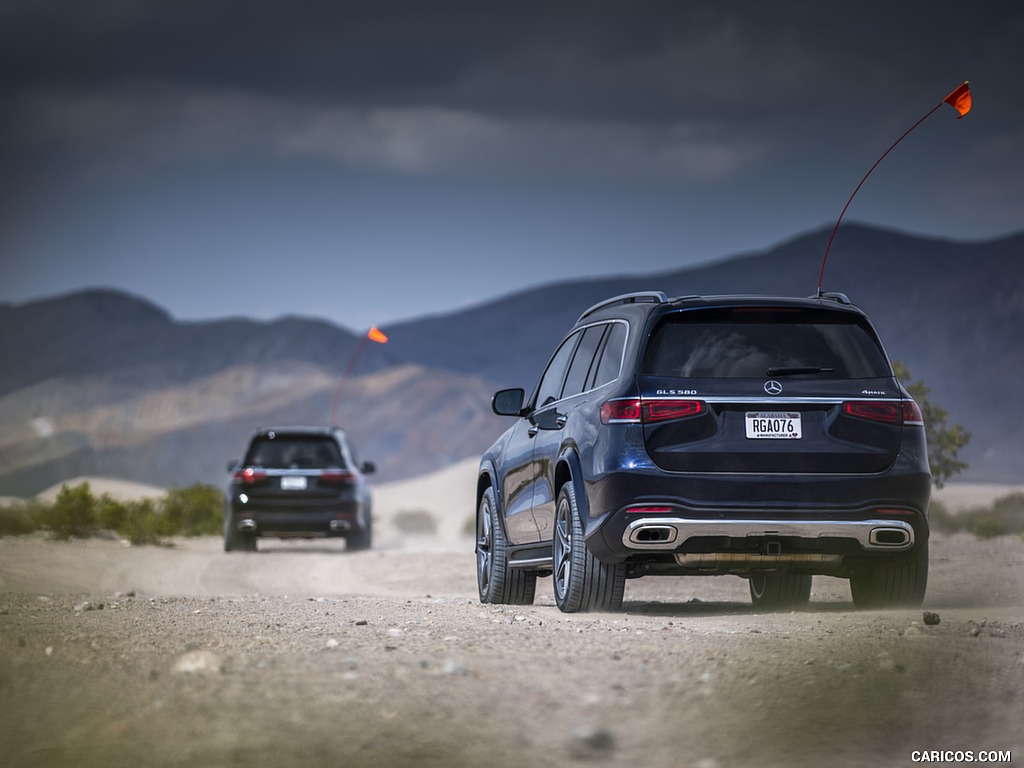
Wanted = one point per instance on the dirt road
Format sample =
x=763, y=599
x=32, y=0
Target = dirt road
x=306, y=655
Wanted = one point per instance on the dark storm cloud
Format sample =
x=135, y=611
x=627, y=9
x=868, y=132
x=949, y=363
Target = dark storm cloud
x=162, y=145
x=691, y=93
x=605, y=61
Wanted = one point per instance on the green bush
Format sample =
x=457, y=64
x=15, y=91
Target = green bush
x=111, y=514
x=142, y=523
x=16, y=520
x=72, y=514
x=1004, y=517
x=942, y=519
x=197, y=510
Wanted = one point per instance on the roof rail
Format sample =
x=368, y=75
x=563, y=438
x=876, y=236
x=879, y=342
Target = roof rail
x=640, y=297
x=842, y=298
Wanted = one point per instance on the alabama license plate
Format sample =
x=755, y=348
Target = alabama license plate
x=293, y=483
x=773, y=426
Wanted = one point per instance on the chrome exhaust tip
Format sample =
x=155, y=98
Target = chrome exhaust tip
x=247, y=526
x=340, y=525
x=653, y=534
x=889, y=537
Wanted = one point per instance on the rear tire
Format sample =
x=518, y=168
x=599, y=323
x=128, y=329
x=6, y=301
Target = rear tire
x=900, y=584
x=236, y=541
x=582, y=582
x=780, y=591
x=362, y=538
x=496, y=581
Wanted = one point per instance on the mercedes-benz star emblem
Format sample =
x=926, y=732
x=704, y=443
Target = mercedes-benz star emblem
x=772, y=387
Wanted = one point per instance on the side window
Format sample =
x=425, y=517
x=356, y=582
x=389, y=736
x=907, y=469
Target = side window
x=611, y=357
x=582, y=361
x=550, y=387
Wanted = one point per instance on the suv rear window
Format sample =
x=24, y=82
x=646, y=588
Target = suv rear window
x=294, y=451
x=745, y=342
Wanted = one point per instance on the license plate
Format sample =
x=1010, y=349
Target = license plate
x=293, y=483
x=773, y=426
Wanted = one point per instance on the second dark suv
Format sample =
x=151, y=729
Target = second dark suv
x=765, y=437
x=298, y=482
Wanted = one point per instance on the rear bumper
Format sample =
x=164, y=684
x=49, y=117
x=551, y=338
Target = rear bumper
x=858, y=516
x=334, y=520
x=668, y=533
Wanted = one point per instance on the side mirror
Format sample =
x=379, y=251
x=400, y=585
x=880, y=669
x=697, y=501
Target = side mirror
x=368, y=468
x=508, y=402
x=233, y=465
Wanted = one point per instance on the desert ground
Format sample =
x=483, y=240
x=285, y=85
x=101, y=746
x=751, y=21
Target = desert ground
x=303, y=654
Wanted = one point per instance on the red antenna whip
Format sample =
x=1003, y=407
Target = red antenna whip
x=372, y=335
x=959, y=99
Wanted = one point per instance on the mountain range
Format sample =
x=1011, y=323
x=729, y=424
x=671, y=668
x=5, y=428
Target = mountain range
x=100, y=382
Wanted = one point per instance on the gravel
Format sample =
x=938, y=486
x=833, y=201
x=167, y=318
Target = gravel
x=306, y=655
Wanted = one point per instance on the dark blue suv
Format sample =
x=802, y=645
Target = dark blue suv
x=298, y=482
x=765, y=437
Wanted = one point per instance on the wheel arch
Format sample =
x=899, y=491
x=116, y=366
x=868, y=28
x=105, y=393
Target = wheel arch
x=488, y=478
x=570, y=470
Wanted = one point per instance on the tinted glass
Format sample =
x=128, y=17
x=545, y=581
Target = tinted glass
x=745, y=343
x=290, y=451
x=611, y=357
x=550, y=387
x=582, y=361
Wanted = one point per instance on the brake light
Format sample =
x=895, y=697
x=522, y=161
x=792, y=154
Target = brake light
x=663, y=410
x=250, y=475
x=621, y=411
x=641, y=411
x=336, y=476
x=912, y=413
x=885, y=411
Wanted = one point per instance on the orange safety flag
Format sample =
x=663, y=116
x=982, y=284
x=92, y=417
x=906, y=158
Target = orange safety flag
x=376, y=335
x=960, y=99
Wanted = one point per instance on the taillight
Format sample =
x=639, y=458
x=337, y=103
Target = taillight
x=885, y=411
x=642, y=411
x=337, y=476
x=621, y=411
x=250, y=475
x=663, y=410
x=912, y=413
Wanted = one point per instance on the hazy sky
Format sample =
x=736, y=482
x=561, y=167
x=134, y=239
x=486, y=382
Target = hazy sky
x=371, y=161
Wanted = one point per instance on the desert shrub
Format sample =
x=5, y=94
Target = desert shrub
x=138, y=521
x=142, y=522
x=942, y=519
x=418, y=522
x=111, y=514
x=16, y=520
x=72, y=514
x=197, y=510
x=1004, y=517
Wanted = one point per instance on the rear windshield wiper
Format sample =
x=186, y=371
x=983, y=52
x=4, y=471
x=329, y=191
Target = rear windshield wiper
x=796, y=370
